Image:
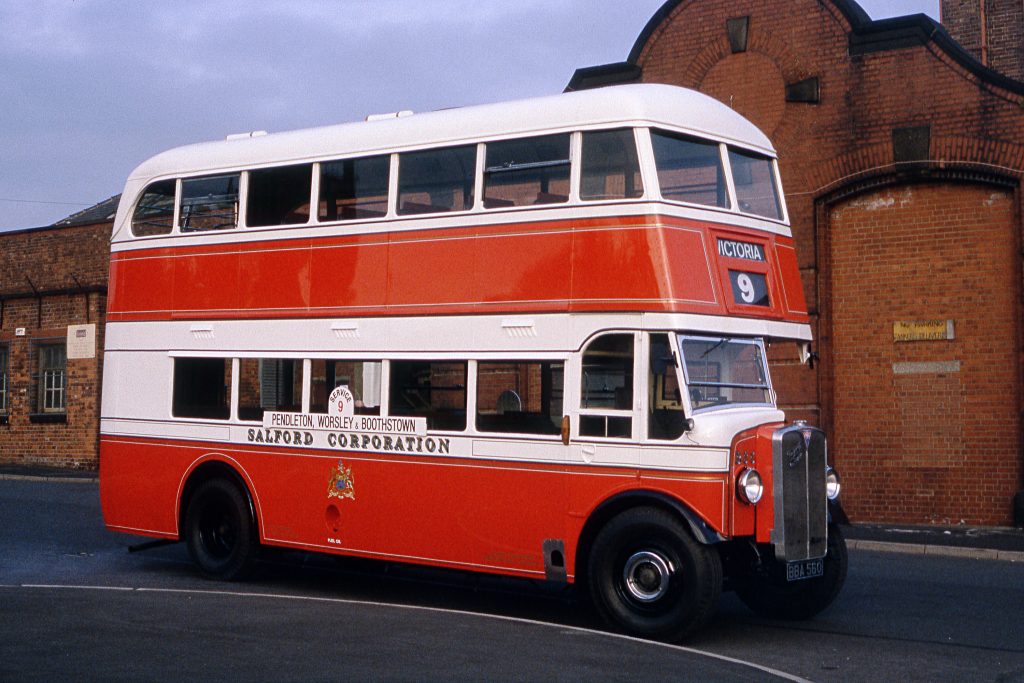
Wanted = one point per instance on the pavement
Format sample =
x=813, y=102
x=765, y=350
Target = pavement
x=949, y=540
x=961, y=540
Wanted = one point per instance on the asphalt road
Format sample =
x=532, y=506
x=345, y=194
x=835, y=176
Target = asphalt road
x=75, y=604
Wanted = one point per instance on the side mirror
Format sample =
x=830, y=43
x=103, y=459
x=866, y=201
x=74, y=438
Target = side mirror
x=807, y=355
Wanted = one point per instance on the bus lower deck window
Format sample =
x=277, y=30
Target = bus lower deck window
x=201, y=388
x=435, y=390
x=361, y=377
x=520, y=397
x=273, y=384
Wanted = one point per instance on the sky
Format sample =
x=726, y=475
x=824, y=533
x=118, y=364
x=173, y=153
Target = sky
x=91, y=88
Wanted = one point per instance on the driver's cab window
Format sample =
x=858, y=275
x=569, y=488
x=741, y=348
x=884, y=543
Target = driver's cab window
x=666, y=420
x=606, y=388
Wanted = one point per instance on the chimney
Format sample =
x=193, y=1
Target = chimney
x=991, y=30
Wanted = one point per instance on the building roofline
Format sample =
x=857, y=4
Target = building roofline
x=866, y=35
x=103, y=212
x=52, y=226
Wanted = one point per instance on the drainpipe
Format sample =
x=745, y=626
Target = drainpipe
x=984, y=35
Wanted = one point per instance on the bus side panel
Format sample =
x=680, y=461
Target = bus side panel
x=139, y=484
x=276, y=280
x=531, y=272
x=480, y=515
x=633, y=267
x=789, y=274
x=206, y=285
x=349, y=276
x=431, y=267
x=706, y=495
x=144, y=286
x=632, y=263
x=476, y=515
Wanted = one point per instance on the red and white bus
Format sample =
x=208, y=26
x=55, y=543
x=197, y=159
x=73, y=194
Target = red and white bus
x=527, y=338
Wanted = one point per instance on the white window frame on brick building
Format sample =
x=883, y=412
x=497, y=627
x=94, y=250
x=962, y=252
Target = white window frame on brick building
x=51, y=364
x=5, y=363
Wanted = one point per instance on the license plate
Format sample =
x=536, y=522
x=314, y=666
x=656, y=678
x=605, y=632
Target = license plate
x=808, y=569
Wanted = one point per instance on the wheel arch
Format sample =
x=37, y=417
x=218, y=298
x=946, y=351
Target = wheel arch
x=621, y=502
x=215, y=466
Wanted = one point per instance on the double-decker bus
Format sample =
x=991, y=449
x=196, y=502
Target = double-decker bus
x=526, y=338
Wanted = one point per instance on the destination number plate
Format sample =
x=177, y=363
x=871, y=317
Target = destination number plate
x=749, y=289
x=808, y=569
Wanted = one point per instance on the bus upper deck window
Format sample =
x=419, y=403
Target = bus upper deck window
x=279, y=196
x=527, y=171
x=154, y=214
x=351, y=189
x=610, y=168
x=436, y=180
x=754, y=178
x=689, y=170
x=209, y=203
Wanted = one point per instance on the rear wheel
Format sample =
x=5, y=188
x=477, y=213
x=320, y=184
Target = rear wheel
x=769, y=594
x=648, y=577
x=220, y=530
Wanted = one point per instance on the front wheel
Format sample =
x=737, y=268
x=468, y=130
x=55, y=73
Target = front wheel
x=649, y=578
x=767, y=592
x=220, y=530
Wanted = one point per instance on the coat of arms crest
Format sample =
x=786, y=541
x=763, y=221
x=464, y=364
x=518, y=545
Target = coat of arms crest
x=342, y=484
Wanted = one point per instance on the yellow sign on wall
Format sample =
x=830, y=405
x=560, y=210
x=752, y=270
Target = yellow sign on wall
x=927, y=330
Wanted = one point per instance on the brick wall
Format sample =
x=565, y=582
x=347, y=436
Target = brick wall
x=68, y=268
x=946, y=431
x=926, y=430
x=1003, y=48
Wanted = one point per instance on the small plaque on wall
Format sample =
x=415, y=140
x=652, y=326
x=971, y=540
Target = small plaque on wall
x=82, y=341
x=927, y=330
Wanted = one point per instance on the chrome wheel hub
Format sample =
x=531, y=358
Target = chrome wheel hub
x=646, y=576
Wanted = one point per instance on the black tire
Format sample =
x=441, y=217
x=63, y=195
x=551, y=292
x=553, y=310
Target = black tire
x=220, y=530
x=768, y=593
x=648, y=577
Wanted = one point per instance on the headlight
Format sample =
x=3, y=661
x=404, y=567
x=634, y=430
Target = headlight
x=832, y=484
x=749, y=487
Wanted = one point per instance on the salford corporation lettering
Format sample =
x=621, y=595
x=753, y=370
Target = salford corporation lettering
x=349, y=432
x=351, y=441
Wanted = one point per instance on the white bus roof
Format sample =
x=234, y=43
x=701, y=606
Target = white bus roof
x=640, y=105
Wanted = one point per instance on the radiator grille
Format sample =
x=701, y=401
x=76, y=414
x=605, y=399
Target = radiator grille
x=799, y=460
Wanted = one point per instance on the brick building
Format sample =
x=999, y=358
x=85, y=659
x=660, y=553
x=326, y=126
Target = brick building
x=901, y=151
x=53, y=290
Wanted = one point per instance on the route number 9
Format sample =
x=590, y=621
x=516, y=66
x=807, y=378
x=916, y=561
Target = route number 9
x=749, y=289
x=746, y=288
